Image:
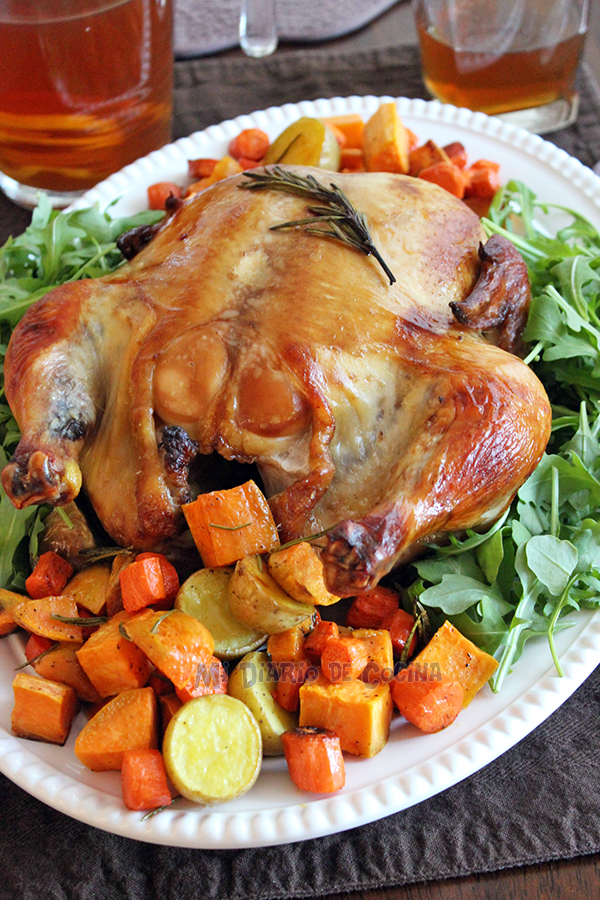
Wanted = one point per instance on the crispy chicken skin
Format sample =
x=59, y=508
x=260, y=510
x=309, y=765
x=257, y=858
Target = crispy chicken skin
x=377, y=411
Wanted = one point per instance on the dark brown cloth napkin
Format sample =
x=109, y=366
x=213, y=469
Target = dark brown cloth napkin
x=538, y=802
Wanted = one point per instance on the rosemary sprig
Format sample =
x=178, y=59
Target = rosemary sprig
x=343, y=222
x=154, y=628
x=90, y=622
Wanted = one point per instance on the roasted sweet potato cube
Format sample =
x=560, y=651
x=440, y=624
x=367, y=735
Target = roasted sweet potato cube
x=112, y=662
x=228, y=525
x=175, y=642
x=7, y=622
x=380, y=653
x=359, y=713
x=127, y=722
x=88, y=588
x=385, y=141
x=457, y=658
x=38, y=617
x=60, y=663
x=426, y=155
x=43, y=710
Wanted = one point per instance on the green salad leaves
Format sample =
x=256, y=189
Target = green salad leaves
x=542, y=560
x=57, y=247
x=533, y=568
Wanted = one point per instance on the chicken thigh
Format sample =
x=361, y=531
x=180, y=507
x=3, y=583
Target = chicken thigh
x=375, y=411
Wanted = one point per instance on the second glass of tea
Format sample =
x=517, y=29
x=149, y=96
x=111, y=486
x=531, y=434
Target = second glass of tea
x=513, y=58
x=85, y=89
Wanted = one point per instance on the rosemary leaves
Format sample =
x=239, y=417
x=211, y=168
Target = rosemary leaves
x=336, y=218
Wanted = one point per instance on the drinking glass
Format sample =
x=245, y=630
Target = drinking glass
x=85, y=89
x=513, y=58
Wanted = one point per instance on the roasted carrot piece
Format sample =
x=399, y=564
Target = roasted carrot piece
x=7, y=622
x=60, y=663
x=246, y=163
x=378, y=644
x=160, y=684
x=351, y=160
x=287, y=646
x=174, y=642
x=315, y=642
x=144, y=779
x=456, y=153
x=343, y=659
x=159, y=193
x=447, y=176
x=112, y=661
x=142, y=584
x=49, y=576
x=168, y=706
x=483, y=179
x=431, y=702
x=351, y=126
x=209, y=679
x=169, y=574
x=114, y=600
x=400, y=624
x=43, y=710
x=127, y=722
x=292, y=676
x=314, y=759
x=371, y=609
x=228, y=525
x=38, y=617
x=201, y=168
x=251, y=143
x=225, y=167
x=36, y=645
x=424, y=156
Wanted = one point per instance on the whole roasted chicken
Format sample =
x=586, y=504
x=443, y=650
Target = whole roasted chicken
x=383, y=413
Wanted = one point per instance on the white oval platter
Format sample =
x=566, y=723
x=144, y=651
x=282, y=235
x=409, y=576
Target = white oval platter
x=412, y=767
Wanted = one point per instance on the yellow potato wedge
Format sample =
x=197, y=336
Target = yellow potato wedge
x=299, y=571
x=212, y=749
x=253, y=682
x=205, y=596
x=306, y=142
x=256, y=599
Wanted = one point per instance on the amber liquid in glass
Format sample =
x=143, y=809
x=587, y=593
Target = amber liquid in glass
x=82, y=96
x=516, y=80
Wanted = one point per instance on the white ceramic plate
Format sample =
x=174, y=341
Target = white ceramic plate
x=412, y=767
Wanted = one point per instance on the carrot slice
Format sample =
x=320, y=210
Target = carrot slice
x=315, y=642
x=49, y=576
x=159, y=193
x=447, y=176
x=292, y=676
x=400, y=624
x=142, y=583
x=343, y=659
x=144, y=779
x=201, y=168
x=36, y=645
x=483, y=179
x=251, y=143
x=169, y=574
x=430, y=702
x=369, y=610
x=314, y=758
x=209, y=679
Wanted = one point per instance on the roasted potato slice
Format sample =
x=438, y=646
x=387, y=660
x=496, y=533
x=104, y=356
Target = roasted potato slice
x=213, y=749
x=205, y=596
x=299, y=571
x=256, y=599
x=253, y=682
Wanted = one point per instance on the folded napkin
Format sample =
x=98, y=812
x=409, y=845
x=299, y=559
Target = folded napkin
x=205, y=26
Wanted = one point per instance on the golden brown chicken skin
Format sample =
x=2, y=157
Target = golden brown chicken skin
x=369, y=409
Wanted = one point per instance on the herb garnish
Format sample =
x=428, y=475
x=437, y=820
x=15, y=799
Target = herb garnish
x=343, y=222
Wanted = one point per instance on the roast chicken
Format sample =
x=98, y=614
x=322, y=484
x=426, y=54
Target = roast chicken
x=384, y=414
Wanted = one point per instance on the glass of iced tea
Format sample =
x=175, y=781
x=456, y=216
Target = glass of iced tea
x=513, y=58
x=85, y=89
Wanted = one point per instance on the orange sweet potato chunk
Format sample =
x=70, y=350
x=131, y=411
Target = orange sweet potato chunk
x=37, y=617
x=43, y=710
x=60, y=664
x=175, y=642
x=111, y=661
x=88, y=588
x=127, y=722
